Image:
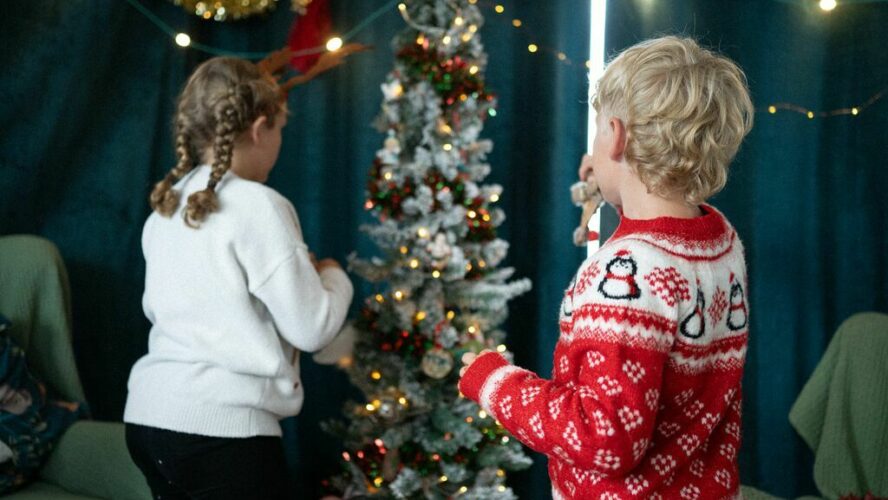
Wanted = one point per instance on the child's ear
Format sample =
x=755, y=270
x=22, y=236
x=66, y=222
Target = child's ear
x=618, y=139
x=256, y=127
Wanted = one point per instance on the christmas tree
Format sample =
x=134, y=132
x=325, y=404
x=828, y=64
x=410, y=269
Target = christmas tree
x=440, y=292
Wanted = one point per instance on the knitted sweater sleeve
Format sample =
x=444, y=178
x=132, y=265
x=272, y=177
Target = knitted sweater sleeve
x=618, y=322
x=308, y=308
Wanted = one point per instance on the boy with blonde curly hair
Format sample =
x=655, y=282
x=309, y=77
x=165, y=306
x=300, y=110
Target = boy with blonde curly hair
x=645, y=397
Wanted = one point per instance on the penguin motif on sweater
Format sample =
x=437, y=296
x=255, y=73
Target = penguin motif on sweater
x=737, y=316
x=619, y=278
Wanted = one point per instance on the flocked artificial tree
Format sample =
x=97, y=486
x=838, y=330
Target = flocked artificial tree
x=440, y=292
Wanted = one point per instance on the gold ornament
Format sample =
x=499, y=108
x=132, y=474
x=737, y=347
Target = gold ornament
x=437, y=363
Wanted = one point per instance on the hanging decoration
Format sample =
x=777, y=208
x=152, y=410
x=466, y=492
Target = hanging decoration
x=309, y=31
x=234, y=10
x=226, y=10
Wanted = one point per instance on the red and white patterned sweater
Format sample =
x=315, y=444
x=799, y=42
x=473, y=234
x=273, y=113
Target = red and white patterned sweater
x=645, y=397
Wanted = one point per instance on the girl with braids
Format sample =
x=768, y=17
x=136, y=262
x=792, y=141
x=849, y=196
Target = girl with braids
x=233, y=295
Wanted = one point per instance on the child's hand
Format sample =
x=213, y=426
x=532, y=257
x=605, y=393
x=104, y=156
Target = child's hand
x=325, y=263
x=585, y=169
x=469, y=358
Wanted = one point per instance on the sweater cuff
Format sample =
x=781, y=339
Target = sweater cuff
x=335, y=280
x=471, y=383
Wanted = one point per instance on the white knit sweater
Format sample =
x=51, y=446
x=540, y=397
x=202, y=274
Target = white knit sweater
x=229, y=303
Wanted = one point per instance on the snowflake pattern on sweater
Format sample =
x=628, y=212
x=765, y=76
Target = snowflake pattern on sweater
x=644, y=401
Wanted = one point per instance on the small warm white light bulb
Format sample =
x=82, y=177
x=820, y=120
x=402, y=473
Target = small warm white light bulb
x=855, y=111
x=532, y=48
x=334, y=44
x=828, y=5
x=183, y=40
x=772, y=109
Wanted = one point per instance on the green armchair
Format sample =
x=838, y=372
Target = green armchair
x=91, y=460
x=840, y=412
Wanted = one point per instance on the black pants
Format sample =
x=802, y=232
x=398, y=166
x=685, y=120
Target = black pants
x=187, y=466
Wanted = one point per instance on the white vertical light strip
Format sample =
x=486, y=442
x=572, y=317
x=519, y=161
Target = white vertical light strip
x=596, y=68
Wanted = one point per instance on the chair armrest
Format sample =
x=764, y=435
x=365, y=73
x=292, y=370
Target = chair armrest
x=92, y=459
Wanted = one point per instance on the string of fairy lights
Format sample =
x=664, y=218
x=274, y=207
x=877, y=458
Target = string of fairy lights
x=210, y=10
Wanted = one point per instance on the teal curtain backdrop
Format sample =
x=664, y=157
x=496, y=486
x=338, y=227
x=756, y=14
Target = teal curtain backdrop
x=86, y=101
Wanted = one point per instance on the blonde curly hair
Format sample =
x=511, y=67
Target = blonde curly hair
x=686, y=110
x=222, y=99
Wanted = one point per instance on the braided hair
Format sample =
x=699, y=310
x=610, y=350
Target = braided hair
x=221, y=99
